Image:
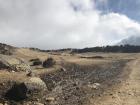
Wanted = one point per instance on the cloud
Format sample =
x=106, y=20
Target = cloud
x=50, y=24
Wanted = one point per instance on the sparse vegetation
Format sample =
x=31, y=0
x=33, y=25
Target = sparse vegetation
x=65, y=78
x=92, y=57
x=36, y=62
x=114, y=49
x=49, y=62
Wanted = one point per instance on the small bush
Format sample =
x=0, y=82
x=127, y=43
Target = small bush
x=36, y=62
x=93, y=57
x=49, y=62
x=36, y=59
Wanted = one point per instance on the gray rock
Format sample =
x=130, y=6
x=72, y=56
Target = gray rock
x=34, y=87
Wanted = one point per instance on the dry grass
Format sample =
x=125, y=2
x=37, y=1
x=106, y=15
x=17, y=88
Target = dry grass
x=109, y=68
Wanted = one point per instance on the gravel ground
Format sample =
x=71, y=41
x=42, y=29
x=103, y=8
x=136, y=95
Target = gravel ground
x=77, y=84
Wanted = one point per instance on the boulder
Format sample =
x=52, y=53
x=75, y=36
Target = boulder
x=38, y=103
x=3, y=65
x=36, y=83
x=49, y=99
x=94, y=86
x=17, y=92
x=34, y=87
x=13, y=64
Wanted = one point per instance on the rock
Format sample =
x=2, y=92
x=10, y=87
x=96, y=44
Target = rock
x=13, y=71
x=63, y=69
x=13, y=64
x=17, y=92
x=30, y=74
x=38, y=104
x=3, y=104
x=49, y=99
x=4, y=65
x=94, y=86
x=37, y=81
x=34, y=87
x=131, y=94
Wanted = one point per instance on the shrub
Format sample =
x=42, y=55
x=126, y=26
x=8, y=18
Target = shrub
x=49, y=62
x=36, y=62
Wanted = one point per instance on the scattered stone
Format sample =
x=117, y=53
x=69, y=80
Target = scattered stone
x=30, y=74
x=49, y=99
x=63, y=69
x=5, y=103
x=110, y=94
x=13, y=71
x=131, y=94
x=38, y=104
x=113, y=97
x=94, y=86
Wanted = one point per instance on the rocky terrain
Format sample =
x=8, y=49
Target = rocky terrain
x=32, y=77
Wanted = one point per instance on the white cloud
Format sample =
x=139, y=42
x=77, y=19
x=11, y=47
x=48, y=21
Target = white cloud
x=57, y=24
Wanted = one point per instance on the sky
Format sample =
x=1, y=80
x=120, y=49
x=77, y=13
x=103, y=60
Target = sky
x=54, y=24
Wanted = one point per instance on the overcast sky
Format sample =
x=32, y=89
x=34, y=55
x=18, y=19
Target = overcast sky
x=50, y=24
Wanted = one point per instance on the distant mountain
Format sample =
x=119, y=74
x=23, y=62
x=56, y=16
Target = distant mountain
x=133, y=40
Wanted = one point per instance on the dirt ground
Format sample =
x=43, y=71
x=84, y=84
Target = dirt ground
x=84, y=79
x=126, y=94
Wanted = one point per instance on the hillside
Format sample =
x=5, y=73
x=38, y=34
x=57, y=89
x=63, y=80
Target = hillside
x=111, y=49
x=33, y=77
x=6, y=49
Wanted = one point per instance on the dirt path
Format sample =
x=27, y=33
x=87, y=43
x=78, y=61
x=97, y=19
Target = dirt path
x=128, y=93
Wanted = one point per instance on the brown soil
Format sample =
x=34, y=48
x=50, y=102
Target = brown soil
x=112, y=80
